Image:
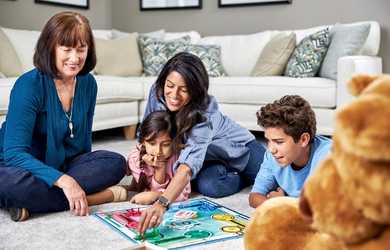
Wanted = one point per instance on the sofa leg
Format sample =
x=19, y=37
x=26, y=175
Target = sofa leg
x=130, y=131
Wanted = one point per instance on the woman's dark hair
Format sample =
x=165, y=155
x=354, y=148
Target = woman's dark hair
x=155, y=123
x=292, y=113
x=64, y=29
x=195, y=76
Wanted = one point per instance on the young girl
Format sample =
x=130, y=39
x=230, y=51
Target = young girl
x=151, y=162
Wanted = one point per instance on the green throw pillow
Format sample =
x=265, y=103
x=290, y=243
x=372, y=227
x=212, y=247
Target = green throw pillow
x=209, y=54
x=156, y=52
x=308, y=55
x=346, y=40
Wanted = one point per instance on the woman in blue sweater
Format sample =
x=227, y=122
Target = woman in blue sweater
x=219, y=155
x=46, y=163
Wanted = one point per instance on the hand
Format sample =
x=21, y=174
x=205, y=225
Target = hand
x=278, y=192
x=155, y=161
x=145, y=198
x=151, y=217
x=77, y=199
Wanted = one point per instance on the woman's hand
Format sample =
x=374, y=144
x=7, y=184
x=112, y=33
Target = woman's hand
x=151, y=217
x=145, y=198
x=77, y=199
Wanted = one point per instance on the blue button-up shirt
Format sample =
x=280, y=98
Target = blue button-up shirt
x=217, y=138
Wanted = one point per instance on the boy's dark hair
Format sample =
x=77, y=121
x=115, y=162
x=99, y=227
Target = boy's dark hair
x=65, y=29
x=292, y=113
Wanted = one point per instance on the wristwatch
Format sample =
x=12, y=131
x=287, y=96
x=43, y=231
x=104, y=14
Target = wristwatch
x=163, y=201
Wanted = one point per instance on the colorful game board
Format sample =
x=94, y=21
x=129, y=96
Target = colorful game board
x=197, y=221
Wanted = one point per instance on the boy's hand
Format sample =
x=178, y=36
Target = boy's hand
x=145, y=198
x=278, y=192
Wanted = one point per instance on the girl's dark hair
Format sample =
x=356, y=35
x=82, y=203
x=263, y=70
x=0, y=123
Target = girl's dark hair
x=65, y=29
x=195, y=76
x=155, y=123
x=292, y=113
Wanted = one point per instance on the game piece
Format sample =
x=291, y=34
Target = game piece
x=197, y=221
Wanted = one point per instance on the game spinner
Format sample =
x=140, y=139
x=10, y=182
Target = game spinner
x=197, y=221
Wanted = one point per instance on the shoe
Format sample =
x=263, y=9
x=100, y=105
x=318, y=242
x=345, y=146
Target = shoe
x=119, y=193
x=19, y=214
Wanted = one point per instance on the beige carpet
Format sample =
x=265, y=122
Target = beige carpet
x=65, y=231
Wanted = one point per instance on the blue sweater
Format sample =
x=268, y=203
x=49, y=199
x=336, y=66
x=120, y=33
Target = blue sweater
x=36, y=136
x=217, y=138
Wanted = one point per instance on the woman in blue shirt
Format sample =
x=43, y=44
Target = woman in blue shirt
x=219, y=154
x=46, y=163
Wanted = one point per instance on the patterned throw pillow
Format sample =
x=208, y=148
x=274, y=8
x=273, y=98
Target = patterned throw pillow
x=209, y=54
x=308, y=55
x=156, y=52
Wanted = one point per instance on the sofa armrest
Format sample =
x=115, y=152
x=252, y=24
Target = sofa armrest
x=347, y=67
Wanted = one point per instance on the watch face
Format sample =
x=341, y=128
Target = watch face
x=163, y=201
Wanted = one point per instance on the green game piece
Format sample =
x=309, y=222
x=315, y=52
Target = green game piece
x=150, y=233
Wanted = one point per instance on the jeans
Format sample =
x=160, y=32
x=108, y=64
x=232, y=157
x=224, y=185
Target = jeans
x=93, y=171
x=218, y=180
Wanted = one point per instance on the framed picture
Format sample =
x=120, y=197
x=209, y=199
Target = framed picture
x=83, y=4
x=169, y=4
x=238, y=3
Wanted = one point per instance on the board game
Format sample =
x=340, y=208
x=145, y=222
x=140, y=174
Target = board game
x=197, y=221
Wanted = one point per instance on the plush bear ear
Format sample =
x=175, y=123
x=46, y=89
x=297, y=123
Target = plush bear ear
x=359, y=82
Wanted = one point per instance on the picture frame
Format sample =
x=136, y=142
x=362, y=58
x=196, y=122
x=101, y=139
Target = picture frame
x=81, y=4
x=241, y=3
x=146, y=5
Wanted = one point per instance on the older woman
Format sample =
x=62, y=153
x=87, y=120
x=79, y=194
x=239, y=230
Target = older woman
x=46, y=163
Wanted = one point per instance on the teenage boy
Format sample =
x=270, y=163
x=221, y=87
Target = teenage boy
x=293, y=149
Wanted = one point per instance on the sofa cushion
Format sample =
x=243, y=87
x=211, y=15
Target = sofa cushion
x=343, y=45
x=209, y=54
x=320, y=92
x=156, y=52
x=118, y=89
x=24, y=42
x=240, y=52
x=102, y=34
x=118, y=57
x=6, y=85
x=121, y=34
x=308, y=55
x=9, y=61
x=274, y=57
x=194, y=36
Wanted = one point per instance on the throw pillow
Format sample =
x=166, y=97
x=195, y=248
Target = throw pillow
x=308, y=55
x=118, y=57
x=346, y=40
x=10, y=64
x=275, y=55
x=209, y=54
x=156, y=52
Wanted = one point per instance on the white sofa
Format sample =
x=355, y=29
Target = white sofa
x=121, y=100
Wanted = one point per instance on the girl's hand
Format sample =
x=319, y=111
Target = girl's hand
x=278, y=192
x=155, y=161
x=145, y=198
x=77, y=199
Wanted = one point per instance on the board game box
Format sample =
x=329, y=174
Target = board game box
x=196, y=221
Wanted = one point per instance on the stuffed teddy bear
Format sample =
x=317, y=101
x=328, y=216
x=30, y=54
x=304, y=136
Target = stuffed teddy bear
x=345, y=204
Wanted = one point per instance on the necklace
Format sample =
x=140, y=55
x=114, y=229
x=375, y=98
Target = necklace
x=70, y=123
x=69, y=116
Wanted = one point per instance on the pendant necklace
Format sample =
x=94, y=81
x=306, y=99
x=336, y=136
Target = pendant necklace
x=70, y=123
x=69, y=116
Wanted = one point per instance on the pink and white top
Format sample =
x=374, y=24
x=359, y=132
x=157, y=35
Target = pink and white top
x=133, y=168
